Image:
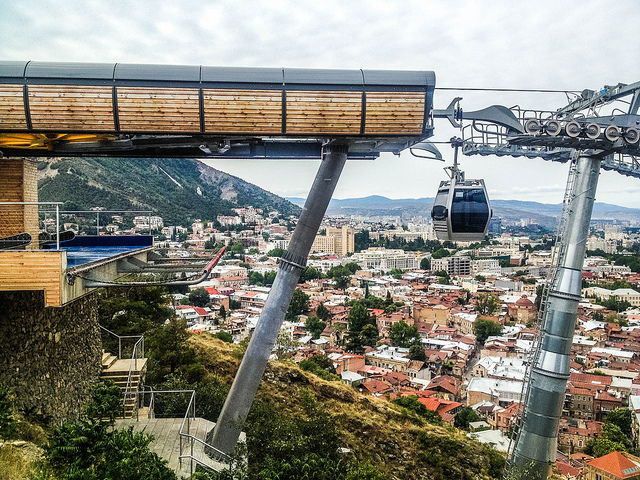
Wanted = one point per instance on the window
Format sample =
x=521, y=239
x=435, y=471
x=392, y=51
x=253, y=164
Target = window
x=580, y=443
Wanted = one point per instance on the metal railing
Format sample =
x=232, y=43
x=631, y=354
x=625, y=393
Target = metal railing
x=193, y=449
x=53, y=210
x=133, y=364
x=138, y=352
x=126, y=337
x=192, y=441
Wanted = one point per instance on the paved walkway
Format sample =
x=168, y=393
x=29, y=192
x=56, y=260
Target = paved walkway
x=166, y=443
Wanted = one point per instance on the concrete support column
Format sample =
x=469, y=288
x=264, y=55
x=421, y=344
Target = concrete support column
x=18, y=183
x=536, y=448
x=236, y=407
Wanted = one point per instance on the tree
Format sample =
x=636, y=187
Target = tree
x=276, y=252
x=487, y=304
x=236, y=249
x=340, y=275
x=369, y=335
x=310, y=273
x=199, y=297
x=440, y=253
x=425, y=264
x=224, y=336
x=358, y=318
x=416, y=352
x=299, y=303
x=315, y=326
x=539, y=294
x=410, y=402
x=403, y=335
x=353, y=267
x=222, y=313
x=622, y=418
x=484, y=328
x=396, y=273
x=480, y=278
x=285, y=344
x=464, y=417
x=169, y=350
x=323, y=312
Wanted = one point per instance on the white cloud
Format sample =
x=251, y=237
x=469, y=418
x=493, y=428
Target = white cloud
x=566, y=44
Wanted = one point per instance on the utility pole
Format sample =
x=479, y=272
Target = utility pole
x=225, y=434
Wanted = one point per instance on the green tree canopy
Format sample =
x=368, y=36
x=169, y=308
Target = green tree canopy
x=416, y=352
x=276, y=252
x=484, y=328
x=425, y=264
x=323, y=312
x=403, y=335
x=358, y=318
x=440, y=253
x=487, y=304
x=353, y=267
x=199, y=297
x=299, y=304
x=464, y=417
x=315, y=326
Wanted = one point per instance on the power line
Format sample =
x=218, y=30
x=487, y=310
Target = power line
x=525, y=90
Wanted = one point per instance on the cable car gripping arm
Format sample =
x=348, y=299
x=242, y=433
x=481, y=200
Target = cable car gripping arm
x=602, y=121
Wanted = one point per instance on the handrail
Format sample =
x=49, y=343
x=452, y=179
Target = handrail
x=187, y=440
x=132, y=363
x=120, y=337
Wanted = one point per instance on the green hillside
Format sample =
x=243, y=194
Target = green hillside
x=179, y=190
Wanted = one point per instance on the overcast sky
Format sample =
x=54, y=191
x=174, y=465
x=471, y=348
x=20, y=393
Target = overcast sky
x=558, y=44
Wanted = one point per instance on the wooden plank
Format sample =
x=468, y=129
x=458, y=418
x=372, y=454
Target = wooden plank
x=33, y=270
x=242, y=111
x=324, y=112
x=158, y=109
x=391, y=113
x=70, y=107
x=12, y=107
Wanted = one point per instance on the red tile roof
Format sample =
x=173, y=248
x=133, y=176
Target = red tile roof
x=616, y=464
x=566, y=469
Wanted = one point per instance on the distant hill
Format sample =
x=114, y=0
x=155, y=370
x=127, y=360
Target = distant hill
x=179, y=190
x=544, y=213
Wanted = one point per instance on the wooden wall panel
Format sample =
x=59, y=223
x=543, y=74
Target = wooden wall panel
x=70, y=107
x=323, y=112
x=391, y=113
x=33, y=270
x=242, y=111
x=12, y=108
x=142, y=109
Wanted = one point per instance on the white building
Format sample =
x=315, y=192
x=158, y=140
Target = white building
x=383, y=259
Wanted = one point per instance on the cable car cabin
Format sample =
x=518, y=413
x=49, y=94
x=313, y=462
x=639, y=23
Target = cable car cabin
x=461, y=211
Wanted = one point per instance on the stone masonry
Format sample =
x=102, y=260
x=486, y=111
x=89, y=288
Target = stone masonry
x=49, y=357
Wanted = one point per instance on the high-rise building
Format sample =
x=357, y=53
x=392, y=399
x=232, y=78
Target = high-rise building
x=335, y=240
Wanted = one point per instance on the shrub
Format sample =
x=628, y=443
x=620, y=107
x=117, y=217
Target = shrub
x=7, y=420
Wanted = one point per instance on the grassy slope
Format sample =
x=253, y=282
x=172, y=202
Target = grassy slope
x=399, y=444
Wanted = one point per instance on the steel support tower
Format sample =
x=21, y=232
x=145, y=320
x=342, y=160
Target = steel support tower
x=225, y=434
x=536, y=447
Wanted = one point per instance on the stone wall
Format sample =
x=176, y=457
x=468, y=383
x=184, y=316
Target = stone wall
x=50, y=357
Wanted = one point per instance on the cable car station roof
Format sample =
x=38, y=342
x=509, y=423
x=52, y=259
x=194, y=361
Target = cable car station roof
x=75, y=109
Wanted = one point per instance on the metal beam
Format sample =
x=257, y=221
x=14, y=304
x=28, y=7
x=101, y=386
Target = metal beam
x=236, y=407
x=536, y=447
